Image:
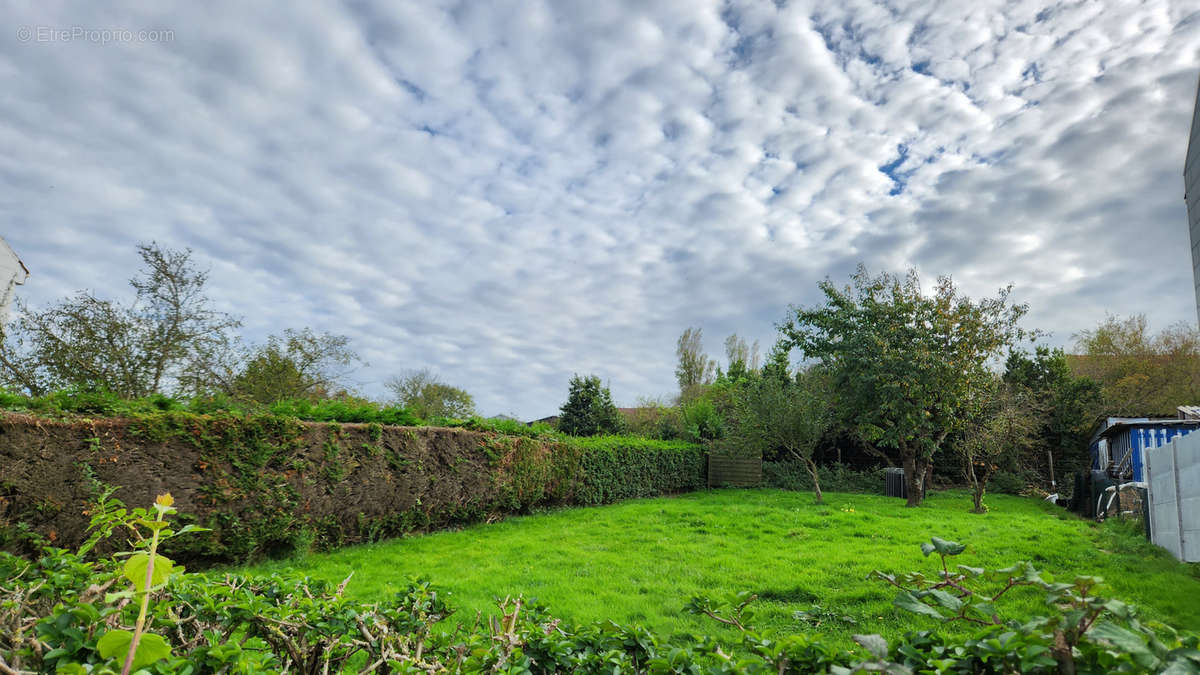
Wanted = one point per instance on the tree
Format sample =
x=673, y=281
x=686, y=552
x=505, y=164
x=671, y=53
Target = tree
x=743, y=358
x=1066, y=407
x=792, y=415
x=589, y=409
x=165, y=339
x=1001, y=419
x=429, y=398
x=694, y=369
x=902, y=362
x=1140, y=373
x=296, y=364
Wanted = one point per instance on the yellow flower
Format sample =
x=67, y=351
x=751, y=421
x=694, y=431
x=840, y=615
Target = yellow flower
x=165, y=499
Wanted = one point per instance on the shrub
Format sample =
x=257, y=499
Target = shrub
x=1008, y=482
x=701, y=421
x=656, y=421
x=834, y=478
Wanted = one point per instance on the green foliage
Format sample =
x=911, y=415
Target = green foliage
x=701, y=420
x=506, y=427
x=428, y=397
x=657, y=420
x=299, y=364
x=1009, y=482
x=743, y=359
x=232, y=623
x=903, y=363
x=1001, y=421
x=344, y=411
x=613, y=468
x=267, y=485
x=694, y=369
x=783, y=414
x=794, y=475
x=1140, y=373
x=1082, y=632
x=165, y=339
x=69, y=402
x=589, y=409
x=1066, y=408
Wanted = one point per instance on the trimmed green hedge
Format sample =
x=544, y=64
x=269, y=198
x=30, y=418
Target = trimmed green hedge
x=268, y=485
x=621, y=467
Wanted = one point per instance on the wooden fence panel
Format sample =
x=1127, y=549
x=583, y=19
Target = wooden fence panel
x=727, y=468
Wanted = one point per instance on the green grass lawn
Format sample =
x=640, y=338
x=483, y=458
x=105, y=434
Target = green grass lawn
x=641, y=561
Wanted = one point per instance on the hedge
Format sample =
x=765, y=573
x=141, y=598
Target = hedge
x=621, y=467
x=268, y=485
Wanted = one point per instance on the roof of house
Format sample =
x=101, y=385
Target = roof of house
x=1188, y=412
x=1117, y=428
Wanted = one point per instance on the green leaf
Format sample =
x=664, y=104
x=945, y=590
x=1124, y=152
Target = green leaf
x=150, y=648
x=946, y=600
x=876, y=574
x=908, y=601
x=1180, y=668
x=946, y=547
x=1125, y=640
x=135, y=570
x=875, y=644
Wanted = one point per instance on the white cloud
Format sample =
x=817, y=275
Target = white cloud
x=513, y=192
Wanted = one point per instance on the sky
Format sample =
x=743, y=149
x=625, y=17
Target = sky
x=510, y=193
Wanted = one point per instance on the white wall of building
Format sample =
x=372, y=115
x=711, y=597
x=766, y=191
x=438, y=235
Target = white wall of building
x=12, y=274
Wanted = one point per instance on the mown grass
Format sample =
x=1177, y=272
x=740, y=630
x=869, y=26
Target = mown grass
x=640, y=561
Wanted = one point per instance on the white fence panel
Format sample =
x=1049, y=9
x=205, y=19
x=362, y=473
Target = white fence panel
x=1173, y=478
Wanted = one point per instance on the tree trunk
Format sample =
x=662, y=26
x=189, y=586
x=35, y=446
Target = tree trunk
x=976, y=487
x=812, y=470
x=912, y=479
x=1062, y=654
x=977, y=495
x=982, y=479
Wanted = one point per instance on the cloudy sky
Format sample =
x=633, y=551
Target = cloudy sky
x=512, y=192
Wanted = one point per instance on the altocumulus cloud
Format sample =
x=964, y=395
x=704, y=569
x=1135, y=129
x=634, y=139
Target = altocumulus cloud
x=510, y=192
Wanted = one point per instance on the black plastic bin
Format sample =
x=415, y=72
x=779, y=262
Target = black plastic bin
x=895, y=483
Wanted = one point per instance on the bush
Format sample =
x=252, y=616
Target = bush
x=345, y=411
x=1008, y=482
x=701, y=421
x=613, y=468
x=833, y=477
x=661, y=422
